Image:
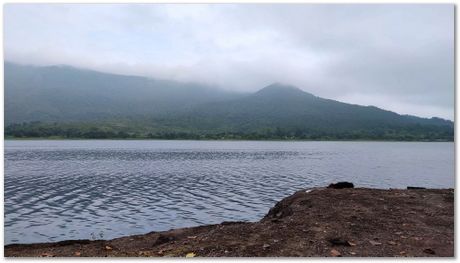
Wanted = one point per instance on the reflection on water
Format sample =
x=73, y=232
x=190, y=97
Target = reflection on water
x=58, y=190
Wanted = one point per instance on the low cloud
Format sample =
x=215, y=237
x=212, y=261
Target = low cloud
x=398, y=57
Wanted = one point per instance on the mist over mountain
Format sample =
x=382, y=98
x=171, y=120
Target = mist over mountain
x=71, y=102
x=64, y=93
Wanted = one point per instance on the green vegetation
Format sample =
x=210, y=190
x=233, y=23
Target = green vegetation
x=108, y=131
x=65, y=102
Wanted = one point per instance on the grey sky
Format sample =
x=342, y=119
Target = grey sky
x=397, y=57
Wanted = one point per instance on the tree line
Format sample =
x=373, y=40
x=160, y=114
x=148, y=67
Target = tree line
x=94, y=131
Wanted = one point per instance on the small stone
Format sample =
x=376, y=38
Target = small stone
x=374, y=243
x=339, y=242
x=78, y=253
x=265, y=246
x=392, y=243
x=335, y=253
x=190, y=255
x=108, y=248
x=352, y=253
x=429, y=251
x=191, y=237
x=351, y=244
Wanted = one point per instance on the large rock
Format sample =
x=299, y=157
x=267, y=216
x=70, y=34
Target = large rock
x=341, y=185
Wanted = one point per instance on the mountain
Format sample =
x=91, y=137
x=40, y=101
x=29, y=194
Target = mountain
x=72, y=102
x=298, y=113
x=64, y=93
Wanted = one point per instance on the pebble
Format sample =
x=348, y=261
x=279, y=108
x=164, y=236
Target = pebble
x=335, y=253
x=374, y=243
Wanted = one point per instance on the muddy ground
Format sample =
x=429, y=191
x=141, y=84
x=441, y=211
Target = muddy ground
x=319, y=222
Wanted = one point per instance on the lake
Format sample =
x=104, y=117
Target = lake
x=74, y=189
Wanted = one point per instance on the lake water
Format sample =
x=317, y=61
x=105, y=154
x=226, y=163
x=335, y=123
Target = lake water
x=59, y=190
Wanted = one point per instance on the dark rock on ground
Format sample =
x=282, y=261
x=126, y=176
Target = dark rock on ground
x=341, y=185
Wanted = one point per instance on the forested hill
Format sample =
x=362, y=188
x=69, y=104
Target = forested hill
x=65, y=102
x=63, y=93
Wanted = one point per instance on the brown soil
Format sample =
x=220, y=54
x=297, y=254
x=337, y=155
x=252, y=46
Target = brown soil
x=323, y=222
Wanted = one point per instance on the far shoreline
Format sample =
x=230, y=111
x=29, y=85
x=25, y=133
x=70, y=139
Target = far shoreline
x=225, y=140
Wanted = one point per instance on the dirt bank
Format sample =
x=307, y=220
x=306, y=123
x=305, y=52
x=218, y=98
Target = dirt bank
x=318, y=222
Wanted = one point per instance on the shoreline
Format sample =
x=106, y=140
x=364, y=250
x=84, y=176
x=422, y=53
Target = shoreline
x=317, y=222
x=210, y=140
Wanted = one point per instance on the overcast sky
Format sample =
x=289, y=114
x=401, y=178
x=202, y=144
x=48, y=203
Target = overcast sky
x=397, y=57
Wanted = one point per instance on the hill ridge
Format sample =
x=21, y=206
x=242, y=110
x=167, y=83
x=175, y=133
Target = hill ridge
x=138, y=107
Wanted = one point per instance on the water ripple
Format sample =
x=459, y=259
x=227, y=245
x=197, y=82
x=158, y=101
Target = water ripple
x=57, y=190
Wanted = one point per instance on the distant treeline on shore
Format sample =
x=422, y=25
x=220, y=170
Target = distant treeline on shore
x=103, y=131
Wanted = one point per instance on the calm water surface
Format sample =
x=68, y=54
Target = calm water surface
x=59, y=190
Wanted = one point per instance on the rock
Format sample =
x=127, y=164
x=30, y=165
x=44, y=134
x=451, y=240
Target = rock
x=341, y=185
x=265, y=246
x=392, y=243
x=339, y=242
x=429, y=251
x=335, y=253
x=77, y=254
x=190, y=255
x=352, y=244
x=374, y=243
x=108, y=247
x=415, y=187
